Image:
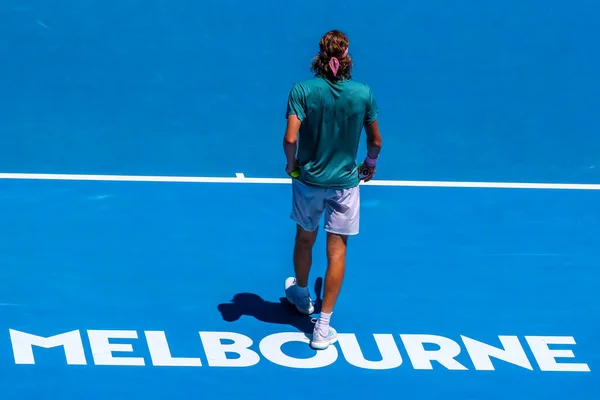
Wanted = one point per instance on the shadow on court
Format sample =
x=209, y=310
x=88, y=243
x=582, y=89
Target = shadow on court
x=282, y=312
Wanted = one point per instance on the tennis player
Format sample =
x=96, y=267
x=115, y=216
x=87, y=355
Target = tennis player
x=325, y=118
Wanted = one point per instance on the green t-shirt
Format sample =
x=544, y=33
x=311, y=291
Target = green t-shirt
x=333, y=115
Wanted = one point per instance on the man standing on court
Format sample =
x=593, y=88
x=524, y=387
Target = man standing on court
x=325, y=118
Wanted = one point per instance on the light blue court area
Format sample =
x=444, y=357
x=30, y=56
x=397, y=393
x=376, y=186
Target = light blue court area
x=168, y=290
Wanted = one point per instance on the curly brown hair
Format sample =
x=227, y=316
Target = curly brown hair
x=333, y=44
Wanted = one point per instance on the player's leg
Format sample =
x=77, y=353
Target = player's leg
x=341, y=220
x=307, y=208
x=303, y=252
x=336, y=268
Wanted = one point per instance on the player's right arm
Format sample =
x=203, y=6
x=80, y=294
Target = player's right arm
x=374, y=142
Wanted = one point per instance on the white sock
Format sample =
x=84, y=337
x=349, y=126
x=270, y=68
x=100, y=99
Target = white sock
x=302, y=291
x=323, y=324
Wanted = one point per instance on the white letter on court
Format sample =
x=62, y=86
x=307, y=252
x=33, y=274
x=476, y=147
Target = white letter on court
x=421, y=358
x=161, y=354
x=270, y=347
x=481, y=352
x=390, y=355
x=102, y=349
x=546, y=357
x=71, y=341
x=216, y=351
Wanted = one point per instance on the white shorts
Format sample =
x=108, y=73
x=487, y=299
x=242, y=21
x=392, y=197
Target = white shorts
x=340, y=206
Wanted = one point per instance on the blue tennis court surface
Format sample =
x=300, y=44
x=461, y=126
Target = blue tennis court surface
x=136, y=288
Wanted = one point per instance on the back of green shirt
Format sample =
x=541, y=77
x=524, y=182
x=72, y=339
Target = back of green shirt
x=333, y=115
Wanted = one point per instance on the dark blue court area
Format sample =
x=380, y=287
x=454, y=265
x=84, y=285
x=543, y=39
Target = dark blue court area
x=146, y=287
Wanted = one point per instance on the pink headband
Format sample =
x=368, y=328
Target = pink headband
x=334, y=62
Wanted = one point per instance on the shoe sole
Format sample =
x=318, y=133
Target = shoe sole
x=322, y=345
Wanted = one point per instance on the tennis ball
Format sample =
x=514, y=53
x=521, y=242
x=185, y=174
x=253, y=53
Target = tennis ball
x=295, y=173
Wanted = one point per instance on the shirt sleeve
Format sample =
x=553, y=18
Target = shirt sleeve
x=372, y=109
x=296, y=103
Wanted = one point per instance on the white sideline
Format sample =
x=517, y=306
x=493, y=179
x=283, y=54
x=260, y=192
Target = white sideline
x=240, y=178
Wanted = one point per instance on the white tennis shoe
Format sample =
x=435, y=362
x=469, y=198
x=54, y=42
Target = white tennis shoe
x=320, y=342
x=303, y=303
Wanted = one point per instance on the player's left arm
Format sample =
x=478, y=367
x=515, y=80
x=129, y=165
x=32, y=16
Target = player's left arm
x=290, y=141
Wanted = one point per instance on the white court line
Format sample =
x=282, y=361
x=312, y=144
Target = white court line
x=240, y=178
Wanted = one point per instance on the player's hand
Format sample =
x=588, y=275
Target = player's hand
x=290, y=167
x=367, y=172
